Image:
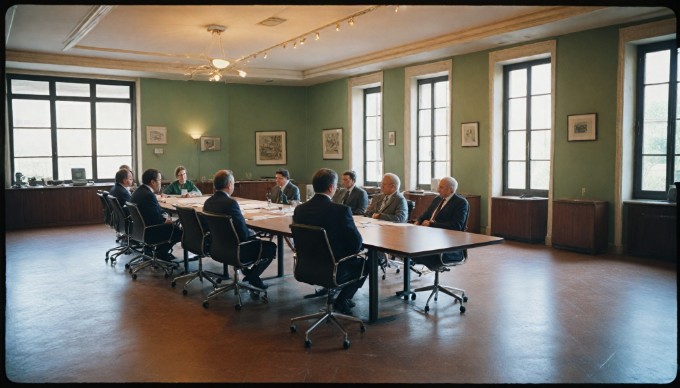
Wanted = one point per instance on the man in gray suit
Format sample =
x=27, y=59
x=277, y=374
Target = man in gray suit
x=390, y=204
x=351, y=195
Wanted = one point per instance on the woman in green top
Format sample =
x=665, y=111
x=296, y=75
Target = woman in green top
x=176, y=187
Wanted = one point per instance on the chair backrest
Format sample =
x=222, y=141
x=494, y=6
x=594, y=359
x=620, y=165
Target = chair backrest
x=314, y=260
x=225, y=245
x=138, y=225
x=193, y=236
x=121, y=222
x=106, y=209
x=410, y=204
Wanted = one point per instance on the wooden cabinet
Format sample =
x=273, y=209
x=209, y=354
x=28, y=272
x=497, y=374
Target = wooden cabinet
x=424, y=199
x=651, y=229
x=206, y=187
x=580, y=225
x=253, y=189
x=35, y=207
x=522, y=219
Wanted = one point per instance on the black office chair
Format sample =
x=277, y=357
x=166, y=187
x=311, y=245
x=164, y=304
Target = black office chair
x=194, y=240
x=149, y=237
x=391, y=260
x=226, y=247
x=109, y=222
x=122, y=224
x=315, y=264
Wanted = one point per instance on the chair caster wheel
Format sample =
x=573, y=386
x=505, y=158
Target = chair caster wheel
x=205, y=304
x=185, y=292
x=308, y=343
x=362, y=328
x=462, y=309
x=238, y=307
x=413, y=296
x=465, y=299
x=383, y=276
x=134, y=276
x=127, y=266
x=173, y=284
x=405, y=297
x=293, y=328
x=397, y=270
x=345, y=344
x=427, y=308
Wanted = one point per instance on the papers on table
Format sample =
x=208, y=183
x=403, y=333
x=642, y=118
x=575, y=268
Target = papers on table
x=363, y=222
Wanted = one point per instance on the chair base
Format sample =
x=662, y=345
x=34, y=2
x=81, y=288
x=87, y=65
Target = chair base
x=144, y=261
x=199, y=274
x=390, y=261
x=327, y=315
x=237, y=286
x=457, y=293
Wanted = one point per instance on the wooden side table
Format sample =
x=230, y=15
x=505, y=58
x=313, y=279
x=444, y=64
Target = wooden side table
x=580, y=225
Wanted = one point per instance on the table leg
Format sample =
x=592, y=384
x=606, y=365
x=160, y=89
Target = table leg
x=406, y=292
x=279, y=255
x=373, y=305
x=186, y=261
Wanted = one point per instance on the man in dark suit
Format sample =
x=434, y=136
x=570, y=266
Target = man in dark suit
x=284, y=191
x=121, y=190
x=343, y=235
x=222, y=203
x=153, y=214
x=448, y=211
x=352, y=195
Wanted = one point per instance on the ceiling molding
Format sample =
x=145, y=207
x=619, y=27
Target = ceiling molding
x=90, y=21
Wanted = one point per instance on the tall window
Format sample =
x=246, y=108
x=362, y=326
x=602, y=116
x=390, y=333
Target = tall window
x=657, y=140
x=526, y=128
x=57, y=123
x=373, y=164
x=433, y=130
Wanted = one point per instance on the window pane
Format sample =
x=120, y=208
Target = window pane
x=373, y=171
x=32, y=142
x=517, y=175
x=74, y=142
x=540, y=173
x=440, y=127
x=114, y=115
x=540, y=79
x=540, y=145
x=517, y=113
x=654, y=173
x=517, y=83
x=373, y=104
x=113, y=91
x=425, y=122
x=72, y=89
x=65, y=165
x=31, y=113
x=424, y=148
x=517, y=145
x=654, y=138
x=372, y=128
x=114, y=142
x=34, y=167
x=676, y=176
x=441, y=94
x=441, y=148
x=657, y=67
x=425, y=96
x=441, y=169
x=108, y=166
x=22, y=86
x=540, y=112
x=73, y=114
x=372, y=150
x=656, y=102
x=424, y=173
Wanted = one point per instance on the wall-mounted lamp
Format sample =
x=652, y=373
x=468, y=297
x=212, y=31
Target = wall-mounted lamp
x=195, y=136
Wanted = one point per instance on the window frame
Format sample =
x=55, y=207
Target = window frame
x=52, y=97
x=432, y=81
x=366, y=92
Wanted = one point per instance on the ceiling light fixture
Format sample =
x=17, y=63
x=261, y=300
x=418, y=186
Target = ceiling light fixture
x=218, y=64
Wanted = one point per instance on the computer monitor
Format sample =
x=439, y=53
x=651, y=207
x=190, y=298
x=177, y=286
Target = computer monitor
x=78, y=174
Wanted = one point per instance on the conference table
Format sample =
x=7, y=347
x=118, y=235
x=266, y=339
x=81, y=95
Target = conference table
x=402, y=240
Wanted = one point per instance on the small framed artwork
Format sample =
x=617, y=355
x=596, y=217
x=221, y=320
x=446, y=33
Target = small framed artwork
x=270, y=147
x=469, y=134
x=156, y=135
x=331, y=141
x=210, y=143
x=391, y=138
x=582, y=127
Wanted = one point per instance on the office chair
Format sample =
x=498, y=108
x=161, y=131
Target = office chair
x=195, y=239
x=122, y=224
x=149, y=237
x=391, y=260
x=109, y=222
x=315, y=264
x=226, y=247
x=440, y=267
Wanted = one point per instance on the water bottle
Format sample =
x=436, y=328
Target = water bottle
x=269, y=198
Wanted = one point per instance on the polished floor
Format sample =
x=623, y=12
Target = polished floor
x=534, y=315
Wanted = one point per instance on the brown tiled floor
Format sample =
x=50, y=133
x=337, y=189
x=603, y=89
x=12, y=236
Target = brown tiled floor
x=534, y=315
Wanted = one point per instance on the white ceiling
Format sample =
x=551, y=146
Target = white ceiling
x=162, y=41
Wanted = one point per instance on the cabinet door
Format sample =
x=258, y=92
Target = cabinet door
x=652, y=231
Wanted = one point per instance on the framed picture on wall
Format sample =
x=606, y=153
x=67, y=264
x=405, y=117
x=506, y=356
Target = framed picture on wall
x=582, y=127
x=210, y=143
x=270, y=147
x=392, y=138
x=469, y=134
x=156, y=134
x=331, y=141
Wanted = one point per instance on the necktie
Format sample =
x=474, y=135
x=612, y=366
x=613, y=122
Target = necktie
x=436, y=211
x=344, y=199
x=384, y=204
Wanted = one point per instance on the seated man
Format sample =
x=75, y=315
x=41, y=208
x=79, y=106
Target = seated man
x=222, y=203
x=153, y=214
x=284, y=191
x=449, y=211
x=343, y=235
x=390, y=204
x=352, y=195
x=121, y=190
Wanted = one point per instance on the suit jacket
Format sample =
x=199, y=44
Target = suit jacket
x=222, y=203
x=121, y=193
x=357, y=200
x=290, y=193
x=395, y=211
x=452, y=216
x=342, y=233
x=148, y=205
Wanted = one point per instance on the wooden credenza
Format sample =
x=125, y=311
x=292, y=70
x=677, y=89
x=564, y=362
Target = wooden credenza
x=424, y=199
x=50, y=206
x=253, y=189
x=651, y=229
x=580, y=225
x=521, y=219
